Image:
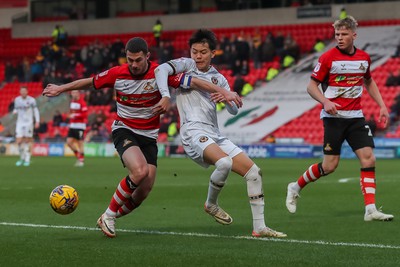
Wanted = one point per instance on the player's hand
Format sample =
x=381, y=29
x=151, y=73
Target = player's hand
x=52, y=90
x=330, y=107
x=383, y=117
x=162, y=106
x=227, y=97
x=37, y=125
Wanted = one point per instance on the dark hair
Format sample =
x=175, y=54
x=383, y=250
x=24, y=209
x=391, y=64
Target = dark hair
x=204, y=36
x=136, y=45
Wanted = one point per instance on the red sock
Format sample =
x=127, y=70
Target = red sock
x=127, y=208
x=368, y=186
x=76, y=153
x=81, y=157
x=312, y=174
x=122, y=194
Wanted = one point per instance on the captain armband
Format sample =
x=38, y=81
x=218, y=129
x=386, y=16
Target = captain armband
x=186, y=81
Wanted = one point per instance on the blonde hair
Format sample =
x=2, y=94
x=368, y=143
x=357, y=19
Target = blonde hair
x=349, y=23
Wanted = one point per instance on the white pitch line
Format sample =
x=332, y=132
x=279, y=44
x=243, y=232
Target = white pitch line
x=310, y=242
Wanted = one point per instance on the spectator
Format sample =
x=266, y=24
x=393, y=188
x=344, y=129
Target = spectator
x=157, y=31
x=392, y=80
x=256, y=49
x=59, y=35
x=318, y=46
x=10, y=72
x=270, y=139
x=116, y=48
x=239, y=84
x=273, y=71
x=247, y=88
x=343, y=13
x=268, y=49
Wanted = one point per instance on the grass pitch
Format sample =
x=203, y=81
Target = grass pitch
x=171, y=228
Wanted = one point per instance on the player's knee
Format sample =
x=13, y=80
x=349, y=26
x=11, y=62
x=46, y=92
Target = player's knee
x=219, y=176
x=224, y=164
x=139, y=174
x=253, y=174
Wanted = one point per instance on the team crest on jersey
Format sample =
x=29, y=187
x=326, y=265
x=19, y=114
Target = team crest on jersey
x=148, y=87
x=214, y=80
x=203, y=139
x=362, y=67
x=328, y=147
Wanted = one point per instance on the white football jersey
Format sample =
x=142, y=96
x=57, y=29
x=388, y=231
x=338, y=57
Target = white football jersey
x=26, y=110
x=196, y=105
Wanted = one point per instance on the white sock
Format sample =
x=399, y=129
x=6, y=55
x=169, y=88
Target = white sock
x=27, y=149
x=370, y=208
x=21, y=151
x=296, y=187
x=218, y=179
x=256, y=197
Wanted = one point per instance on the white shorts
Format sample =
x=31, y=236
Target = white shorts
x=24, y=130
x=197, y=136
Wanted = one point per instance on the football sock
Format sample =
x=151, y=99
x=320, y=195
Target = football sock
x=313, y=173
x=218, y=179
x=76, y=153
x=21, y=150
x=127, y=208
x=368, y=187
x=256, y=196
x=123, y=192
x=27, y=152
x=81, y=157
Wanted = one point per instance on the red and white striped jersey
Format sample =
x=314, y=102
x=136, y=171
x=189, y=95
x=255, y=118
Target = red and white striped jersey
x=135, y=97
x=342, y=76
x=78, y=114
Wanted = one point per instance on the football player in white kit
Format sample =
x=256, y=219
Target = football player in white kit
x=27, y=117
x=201, y=137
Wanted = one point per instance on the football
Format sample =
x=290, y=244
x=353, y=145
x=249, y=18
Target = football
x=64, y=199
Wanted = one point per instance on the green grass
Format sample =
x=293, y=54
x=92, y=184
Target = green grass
x=171, y=228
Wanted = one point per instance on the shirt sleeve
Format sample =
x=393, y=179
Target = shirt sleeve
x=105, y=79
x=321, y=70
x=182, y=65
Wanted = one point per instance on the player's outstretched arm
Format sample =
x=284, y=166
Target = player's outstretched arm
x=55, y=90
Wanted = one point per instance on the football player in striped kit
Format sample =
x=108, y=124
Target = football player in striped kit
x=201, y=137
x=77, y=126
x=135, y=130
x=342, y=71
x=28, y=118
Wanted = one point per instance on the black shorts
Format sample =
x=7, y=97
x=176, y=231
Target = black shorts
x=124, y=138
x=75, y=133
x=355, y=131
